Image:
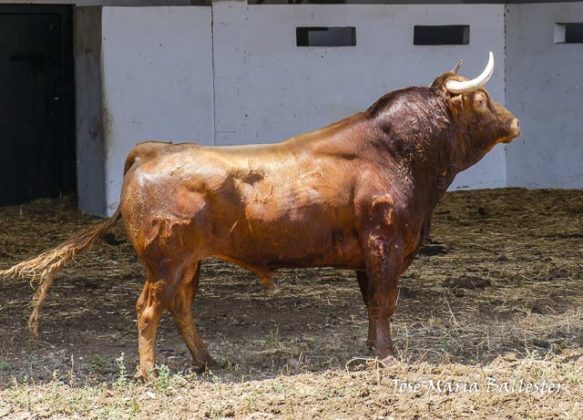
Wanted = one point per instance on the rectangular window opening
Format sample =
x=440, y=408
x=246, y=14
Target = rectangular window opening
x=441, y=35
x=569, y=33
x=326, y=36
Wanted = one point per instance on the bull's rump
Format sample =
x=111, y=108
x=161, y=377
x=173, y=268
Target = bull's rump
x=264, y=206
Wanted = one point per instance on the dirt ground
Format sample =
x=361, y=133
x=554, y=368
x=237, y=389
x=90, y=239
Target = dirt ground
x=489, y=324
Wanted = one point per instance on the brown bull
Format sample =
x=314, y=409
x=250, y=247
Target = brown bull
x=355, y=194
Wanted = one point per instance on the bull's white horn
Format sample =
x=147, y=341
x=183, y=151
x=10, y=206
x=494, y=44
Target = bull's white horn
x=456, y=86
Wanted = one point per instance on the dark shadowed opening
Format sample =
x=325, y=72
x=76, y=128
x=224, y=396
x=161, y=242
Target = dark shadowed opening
x=37, y=125
x=331, y=36
x=573, y=33
x=441, y=35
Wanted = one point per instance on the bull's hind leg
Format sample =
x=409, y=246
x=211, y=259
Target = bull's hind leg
x=164, y=279
x=181, y=309
x=149, y=308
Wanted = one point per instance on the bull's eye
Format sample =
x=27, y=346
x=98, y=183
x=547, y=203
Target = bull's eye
x=480, y=101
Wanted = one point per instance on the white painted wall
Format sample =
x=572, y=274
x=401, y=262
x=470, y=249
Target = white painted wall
x=545, y=89
x=268, y=89
x=157, y=78
x=157, y=81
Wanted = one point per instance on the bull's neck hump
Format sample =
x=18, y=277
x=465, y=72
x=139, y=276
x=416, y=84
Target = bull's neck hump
x=432, y=168
x=339, y=131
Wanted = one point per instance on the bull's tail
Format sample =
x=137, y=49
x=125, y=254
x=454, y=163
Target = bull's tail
x=44, y=268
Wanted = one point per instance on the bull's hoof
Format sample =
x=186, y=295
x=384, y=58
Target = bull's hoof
x=388, y=361
x=272, y=291
x=145, y=374
x=209, y=364
x=141, y=377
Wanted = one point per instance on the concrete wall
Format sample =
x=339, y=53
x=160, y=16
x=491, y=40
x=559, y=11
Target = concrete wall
x=165, y=72
x=89, y=124
x=267, y=88
x=544, y=87
x=157, y=81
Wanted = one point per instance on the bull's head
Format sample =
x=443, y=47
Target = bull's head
x=483, y=121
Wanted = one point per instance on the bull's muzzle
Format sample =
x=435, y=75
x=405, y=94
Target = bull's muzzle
x=511, y=132
x=515, y=127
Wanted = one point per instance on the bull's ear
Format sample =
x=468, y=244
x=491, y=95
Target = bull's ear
x=456, y=104
x=457, y=67
x=439, y=82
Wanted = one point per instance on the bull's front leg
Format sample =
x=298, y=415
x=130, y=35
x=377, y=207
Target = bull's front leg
x=362, y=278
x=426, y=231
x=384, y=264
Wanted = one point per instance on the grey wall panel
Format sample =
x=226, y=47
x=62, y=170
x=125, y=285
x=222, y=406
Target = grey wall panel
x=89, y=126
x=544, y=87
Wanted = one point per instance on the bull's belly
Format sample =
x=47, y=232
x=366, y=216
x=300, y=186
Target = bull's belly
x=293, y=247
x=291, y=226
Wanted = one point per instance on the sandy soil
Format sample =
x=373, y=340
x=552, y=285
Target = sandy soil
x=490, y=311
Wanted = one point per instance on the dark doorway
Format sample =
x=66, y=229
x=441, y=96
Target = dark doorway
x=37, y=136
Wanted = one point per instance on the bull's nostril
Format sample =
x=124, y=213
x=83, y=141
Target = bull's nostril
x=515, y=125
